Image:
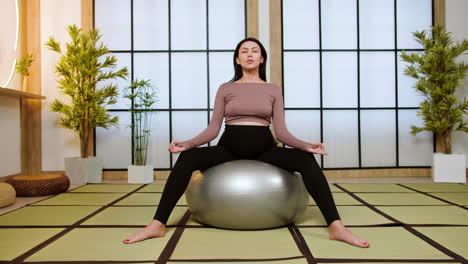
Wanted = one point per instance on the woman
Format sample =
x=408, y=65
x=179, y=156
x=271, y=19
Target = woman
x=248, y=103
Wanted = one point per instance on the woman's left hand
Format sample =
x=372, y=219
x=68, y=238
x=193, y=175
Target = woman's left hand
x=317, y=148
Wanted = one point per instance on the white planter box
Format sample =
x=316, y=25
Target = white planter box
x=83, y=170
x=448, y=168
x=140, y=174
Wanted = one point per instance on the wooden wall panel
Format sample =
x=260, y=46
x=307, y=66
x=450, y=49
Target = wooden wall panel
x=87, y=18
x=378, y=173
x=30, y=39
x=275, y=43
x=331, y=174
x=87, y=14
x=275, y=55
x=439, y=18
x=252, y=19
x=439, y=12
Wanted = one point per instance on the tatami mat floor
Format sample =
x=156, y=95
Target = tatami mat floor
x=23, y=201
x=406, y=220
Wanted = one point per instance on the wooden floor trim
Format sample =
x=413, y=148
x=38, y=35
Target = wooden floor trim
x=348, y=173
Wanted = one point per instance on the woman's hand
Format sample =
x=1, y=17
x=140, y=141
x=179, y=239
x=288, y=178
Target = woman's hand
x=175, y=149
x=317, y=148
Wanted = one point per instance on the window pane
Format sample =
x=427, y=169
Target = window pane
x=114, y=145
x=189, y=80
x=213, y=92
x=304, y=125
x=301, y=24
x=378, y=142
x=187, y=125
x=407, y=94
x=221, y=69
x=414, y=150
x=339, y=24
x=188, y=24
x=154, y=66
x=339, y=79
x=301, y=79
x=340, y=136
x=158, y=155
x=215, y=141
x=376, y=23
x=112, y=19
x=408, y=22
x=226, y=23
x=150, y=25
x=123, y=60
x=377, y=79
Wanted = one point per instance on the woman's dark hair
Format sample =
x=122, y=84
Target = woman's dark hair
x=238, y=67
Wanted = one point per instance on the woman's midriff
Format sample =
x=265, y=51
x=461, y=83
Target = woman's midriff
x=248, y=123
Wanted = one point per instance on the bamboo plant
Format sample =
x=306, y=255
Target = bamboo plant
x=142, y=96
x=22, y=67
x=81, y=67
x=438, y=75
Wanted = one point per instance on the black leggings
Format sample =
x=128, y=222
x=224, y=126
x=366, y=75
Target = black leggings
x=247, y=142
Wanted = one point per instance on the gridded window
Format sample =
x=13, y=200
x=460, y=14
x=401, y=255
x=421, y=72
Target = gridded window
x=185, y=48
x=344, y=83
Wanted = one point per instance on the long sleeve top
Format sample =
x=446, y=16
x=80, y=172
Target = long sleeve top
x=261, y=102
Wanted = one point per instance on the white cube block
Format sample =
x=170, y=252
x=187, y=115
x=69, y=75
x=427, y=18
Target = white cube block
x=140, y=174
x=448, y=168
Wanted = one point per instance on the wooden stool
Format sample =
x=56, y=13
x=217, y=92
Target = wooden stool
x=40, y=184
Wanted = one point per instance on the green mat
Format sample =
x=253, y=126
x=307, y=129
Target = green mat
x=404, y=223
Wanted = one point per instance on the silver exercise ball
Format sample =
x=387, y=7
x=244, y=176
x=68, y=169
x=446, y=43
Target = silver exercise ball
x=246, y=194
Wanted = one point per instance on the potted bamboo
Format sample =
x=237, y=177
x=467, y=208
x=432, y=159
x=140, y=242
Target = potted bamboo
x=142, y=96
x=438, y=75
x=22, y=68
x=81, y=67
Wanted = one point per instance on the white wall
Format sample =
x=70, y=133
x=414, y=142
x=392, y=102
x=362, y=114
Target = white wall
x=456, y=23
x=57, y=142
x=10, y=140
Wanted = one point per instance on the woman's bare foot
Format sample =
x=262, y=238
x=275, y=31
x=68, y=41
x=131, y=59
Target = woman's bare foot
x=339, y=232
x=154, y=229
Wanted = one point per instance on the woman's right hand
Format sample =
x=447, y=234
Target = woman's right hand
x=175, y=149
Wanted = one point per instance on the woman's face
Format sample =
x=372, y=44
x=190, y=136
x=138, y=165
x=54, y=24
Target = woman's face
x=250, y=55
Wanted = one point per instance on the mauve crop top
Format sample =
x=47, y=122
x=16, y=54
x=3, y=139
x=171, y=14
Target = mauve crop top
x=261, y=102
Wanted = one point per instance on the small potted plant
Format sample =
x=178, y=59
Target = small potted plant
x=142, y=96
x=80, y=70
x=22, y=68
x=438, y=75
